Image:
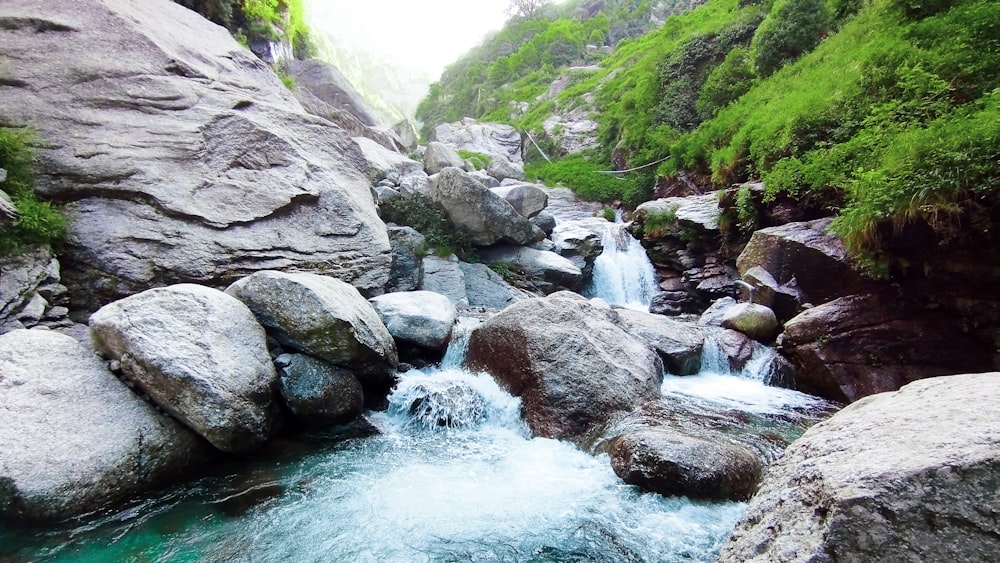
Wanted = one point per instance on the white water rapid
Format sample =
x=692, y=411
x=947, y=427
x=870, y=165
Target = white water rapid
x=623, y=274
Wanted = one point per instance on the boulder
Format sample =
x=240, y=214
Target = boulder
x=716, y=311
x=486, y=288
x=544, y=221
x=581, y=241
x=326, y=82
x=386, y=164
x=528, y=199
x=434, y=402
x=679, y=344
x=181, y=156
x=27, y=284
x=8, y=211
x=407, y=135
x=485, y=179
x=445, y=276
x=351, y=125
x=439, y=156
x=471, y=206
x=494, y=139
x=756, y=321
x=564, y=205
x=323, y=317
x=700, y=212
x=860, y=345
x=318, y=393
x=572, y=132
x=904, y=476
x=671, y=463
x=423, y=318
x=74, y=438
x=568, y=361
x=503, y=169
x=408, y=250
x=807, y=252
x=546, y=271
x=785, y=300
x=200, y=355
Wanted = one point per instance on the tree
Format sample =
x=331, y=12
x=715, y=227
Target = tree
x=524, y=8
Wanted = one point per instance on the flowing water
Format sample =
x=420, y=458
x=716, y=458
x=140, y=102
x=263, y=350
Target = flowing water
x=623, y=274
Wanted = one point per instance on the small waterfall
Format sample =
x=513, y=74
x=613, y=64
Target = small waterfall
x=760, y=367
x=454, y=357
x=623, y=274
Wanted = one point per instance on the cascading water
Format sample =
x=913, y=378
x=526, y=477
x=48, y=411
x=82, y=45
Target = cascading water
x=623, y=274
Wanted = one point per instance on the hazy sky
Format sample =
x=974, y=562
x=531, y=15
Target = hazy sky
x=427, y=34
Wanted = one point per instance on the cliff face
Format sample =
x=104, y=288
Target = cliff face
x=180, y=155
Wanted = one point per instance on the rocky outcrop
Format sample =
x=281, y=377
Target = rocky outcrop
x=856, y=346
x=904, y=476
x=323, y=317
x=493, y=139
x=679, y=344
x=318, y=393
x=444, y=276
x=181, y=155
x=408, y=250
x=543, y=270
x=423, y=318
x=528, y=199
x=385, y=164
x=567, y=360
x=487, y=217
x=580, y=241
x=756, y=321
x=439, y=156
x=74, y=438
x=324, y=81
x=200, y=355
x=786, y=300
x=808, y=253
x=31, y=292
x=700, y=212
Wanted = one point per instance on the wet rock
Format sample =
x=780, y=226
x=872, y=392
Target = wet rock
x=716, y=311
x=74, y=438
x=486, y=288
x=700, y=212
x=318, y=393
x=440, y=156
x=568, y=361
x=580, y=241
x=445, y=276
x=445, y=403
x=27, y=282
x=672, y=303
x=528, y=199
x=679, y=344
x=486, y=216
x=756, y=321
x=485, y=179
x=544, y=221
x=408, y=249
x=785, y=300
x=423, y=318
x=323, y=317
x=546, y=271
x=200, y=355
x=904, y=476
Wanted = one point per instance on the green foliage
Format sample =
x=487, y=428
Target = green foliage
x=726, y=83
x=38, y=222
x=658, y=224
x=286, y=79
x=793, y=27
x=415, y=210
x=609, y=214
x=508, y=272
x=479, y=160
x=259, y=19
x=583, y=177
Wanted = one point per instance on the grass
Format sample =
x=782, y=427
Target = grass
x=38, y=222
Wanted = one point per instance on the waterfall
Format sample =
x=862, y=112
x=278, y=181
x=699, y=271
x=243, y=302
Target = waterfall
x=760, y=367
x=623, y=274
x=454, y=356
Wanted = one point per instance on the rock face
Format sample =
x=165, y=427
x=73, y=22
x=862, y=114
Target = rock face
x=697, y=212
x=808, y=253
x=580, y=241
x=860, y=345
x=74, y=438
x=547, y=271
x=678, y=344
x=528, y=199
x=439, y=156
x=408, y=249
x=323, y=317
x=469, y=205
x=756, y=321
x=486, y=288
x=423, y=318
x=571, y=365
x=327, y=83
x=30, y=291
x=200, y=355
x=183, y=156
x=445, y=276
x=318, y=393
x=904, y=476
x=494, y=139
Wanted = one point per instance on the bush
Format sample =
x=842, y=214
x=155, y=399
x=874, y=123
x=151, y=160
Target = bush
x=38, y=222
x=794, y=27
x=725, y=83
x=415, y=210
x=583, y=177
x=479, y=160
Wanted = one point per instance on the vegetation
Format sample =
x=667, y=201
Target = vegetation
x=38, y=222
x=415, y=210
x=479, y=160
x=259, y=20
x=583, y=175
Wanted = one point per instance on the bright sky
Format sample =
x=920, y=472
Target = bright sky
x=427, y=34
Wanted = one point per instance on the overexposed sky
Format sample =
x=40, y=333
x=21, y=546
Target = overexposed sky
x=424, y=34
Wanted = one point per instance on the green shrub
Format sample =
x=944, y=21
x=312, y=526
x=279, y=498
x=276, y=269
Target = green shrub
x=660, y=224
x=583, y=177
x=508, y=272
x=415, y=210
x=726, y=83
x=794, y=27
x=479, y=160
x=609, y=214
x=38, y=222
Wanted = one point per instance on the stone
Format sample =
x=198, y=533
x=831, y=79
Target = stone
x=439, y=156
x=716, y=311
x=407, y=135
x=200, y=355
x=784, y=299
x=493, y=139
x=326, y=82
x=323, y=317
x=528, y=199
x=8, y=211
x=23, y=279
x=485, y=179
x=700, y=212
x=408, y=250
x=384, y=163
x=74, y=438
x=445, y=276
x=318, y=393
x=756, y=321
x=502, y=169
x=807, y=252
x=351, y=125
x=568, y=361
x=860, y=345
x=423, y=318
x=904, y=476
x=184, y=158
x=3, y=175
x=437, y=402
x=547, y=271
x=544, y=221
x=679, y=344
x=573, y=132
x=486, y=288
x=673, y=464
x=487, y=217
x=581, y=241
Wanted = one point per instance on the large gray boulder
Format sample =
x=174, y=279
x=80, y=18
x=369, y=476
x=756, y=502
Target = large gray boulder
x=528, y=199
x=182, y=156
x=408, y=250
x=200, y=355
x=439, y=156
x=700, y=213
x=423, y=318
x=486, y=288
x=581, y=241
x=471, y=206
x=756, y=321
x=318, y=393
x=546, y=271
x=679, y=344
x=323, y=317
x=904, y=476
x=502, y=169
x=494, y=139
x=445, y=276
x=387, y=164
x=568, y=361
x=327, y=83
x=74, y=438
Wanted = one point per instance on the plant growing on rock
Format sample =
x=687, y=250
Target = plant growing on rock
x=415, y=210
x=37, y=222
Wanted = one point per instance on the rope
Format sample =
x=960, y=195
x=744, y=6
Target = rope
x=549, y=160
x=632, y=169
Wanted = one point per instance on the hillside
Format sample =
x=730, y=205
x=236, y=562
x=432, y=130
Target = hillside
x=883, y=112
